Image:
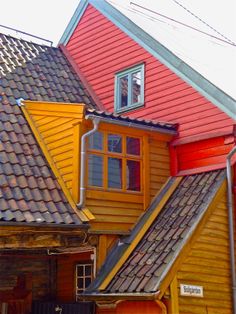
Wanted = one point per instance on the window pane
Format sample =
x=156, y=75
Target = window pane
x=80, y=283
x=88, y=270
x=136, y=87
x=133, y=146
x=80, y=271
x=95, y=170
x=133, y=175
x=87, y=282
x=123, y=88
x=114, y=143
x=96, y=141
x=114, y=173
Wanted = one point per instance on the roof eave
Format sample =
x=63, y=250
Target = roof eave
x=43, y=225
x=121, y=296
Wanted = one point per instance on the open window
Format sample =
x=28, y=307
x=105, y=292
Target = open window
x=114, y=162
x=129, y=89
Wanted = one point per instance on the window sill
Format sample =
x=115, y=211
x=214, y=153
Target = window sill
x=129, y=108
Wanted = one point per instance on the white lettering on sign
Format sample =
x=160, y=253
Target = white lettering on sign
x=191, y=291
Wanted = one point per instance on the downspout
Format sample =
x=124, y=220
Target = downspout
x=96, y=121
x=231, y=225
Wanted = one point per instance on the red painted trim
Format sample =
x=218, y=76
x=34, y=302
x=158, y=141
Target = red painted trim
x=201, y=137
x=82, y=77
x=173, y=161
x=201, y=169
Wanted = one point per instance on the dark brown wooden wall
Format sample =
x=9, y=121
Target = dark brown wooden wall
x=41, y=268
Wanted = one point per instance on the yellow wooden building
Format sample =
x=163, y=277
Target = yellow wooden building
x=161, y=242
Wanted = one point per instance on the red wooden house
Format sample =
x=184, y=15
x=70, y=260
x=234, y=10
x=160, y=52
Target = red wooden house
x=116, y=51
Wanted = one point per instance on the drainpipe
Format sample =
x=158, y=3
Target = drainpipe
x=96, y=121
x=231, y=226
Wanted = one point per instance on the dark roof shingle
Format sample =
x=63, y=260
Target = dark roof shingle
x=143, y=271
x=29, y=191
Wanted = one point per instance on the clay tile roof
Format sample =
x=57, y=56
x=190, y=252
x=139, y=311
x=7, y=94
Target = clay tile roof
x=29, y=192
x=172, y=127
x=146, y=266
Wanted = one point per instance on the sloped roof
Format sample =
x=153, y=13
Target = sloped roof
x=29, y=192
x=149, y=262
x=133, y=122
x=212, y=76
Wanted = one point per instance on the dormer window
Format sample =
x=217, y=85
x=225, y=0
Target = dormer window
x=114, y=162
x=129, y=89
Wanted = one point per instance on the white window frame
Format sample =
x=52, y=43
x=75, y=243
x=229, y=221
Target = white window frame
x=130, y=105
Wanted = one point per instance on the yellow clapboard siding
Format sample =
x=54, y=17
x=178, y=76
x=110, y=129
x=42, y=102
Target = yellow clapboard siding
x=54, y=124
x=66, y=153
x=118, y=211
x=51, y=129
x=202, y=302
x=109, y=204
x=208, y=264
x=41, y=121
x=209, y=248
x=114, y=219
x=58, y=137
x=216, y=241
x=59, y=129
x=204, y=277
x=206, y=270
x=215, y=233
x=66, y=148
x=158, y=157
x=216, y=310
x=107, y=226
x=59, y=143
x=66, y=170
x=114, y=196
x=209, y=255
x=159, y=164
x=185, y=309
x=219, y=220
x=64, y=163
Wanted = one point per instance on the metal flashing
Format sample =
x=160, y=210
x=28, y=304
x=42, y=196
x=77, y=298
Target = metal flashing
x=73, y=22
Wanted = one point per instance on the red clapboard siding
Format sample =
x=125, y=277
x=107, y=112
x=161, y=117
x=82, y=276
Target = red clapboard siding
x=101, y=49
x=66, y=275
x=203, y=153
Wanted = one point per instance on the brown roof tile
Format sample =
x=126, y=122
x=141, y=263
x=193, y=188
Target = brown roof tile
x=29, y=191
x=158, y=248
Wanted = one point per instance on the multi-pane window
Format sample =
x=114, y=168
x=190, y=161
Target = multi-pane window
x=84, y=276
x=114, y=162
x=129, y=88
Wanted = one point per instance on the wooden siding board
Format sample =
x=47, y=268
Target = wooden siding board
x=208, y=265
x=117, y=51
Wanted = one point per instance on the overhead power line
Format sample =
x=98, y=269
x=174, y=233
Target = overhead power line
x=181, y=23
x=202, y=21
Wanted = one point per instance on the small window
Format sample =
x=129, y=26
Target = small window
x=84, y=276
x=129, y=89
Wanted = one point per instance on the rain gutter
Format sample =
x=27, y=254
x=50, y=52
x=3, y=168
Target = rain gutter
x=118, y=296
x=134, y=125
x=96, y=120
x=231, y=225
